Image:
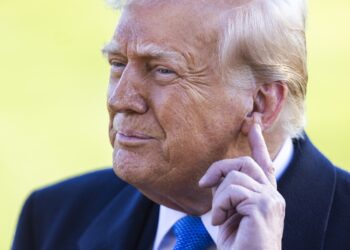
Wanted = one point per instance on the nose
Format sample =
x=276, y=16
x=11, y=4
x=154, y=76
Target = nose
x=125, y=95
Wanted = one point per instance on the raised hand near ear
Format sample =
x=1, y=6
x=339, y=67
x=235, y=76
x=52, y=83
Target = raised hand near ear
x=246, y=204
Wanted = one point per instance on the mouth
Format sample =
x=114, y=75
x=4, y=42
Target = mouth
x=132, y=138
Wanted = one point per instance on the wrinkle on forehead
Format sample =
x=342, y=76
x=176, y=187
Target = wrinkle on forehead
x=148, y=27
x=208, y=13
x=188, y=19
x=145, y=50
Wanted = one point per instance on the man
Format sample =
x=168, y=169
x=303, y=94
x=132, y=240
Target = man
x=206, y=104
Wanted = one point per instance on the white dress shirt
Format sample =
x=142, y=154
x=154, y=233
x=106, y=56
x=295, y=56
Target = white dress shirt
x=165, y=238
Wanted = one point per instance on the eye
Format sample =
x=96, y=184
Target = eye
x=164, y=75
x=117, y=67
x=117, y=64
x=165, y=71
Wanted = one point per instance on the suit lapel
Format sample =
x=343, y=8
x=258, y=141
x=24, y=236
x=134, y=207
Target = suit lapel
x=308, y=187
x=128, y=222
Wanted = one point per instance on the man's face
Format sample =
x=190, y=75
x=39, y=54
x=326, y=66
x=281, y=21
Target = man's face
x=171, y=114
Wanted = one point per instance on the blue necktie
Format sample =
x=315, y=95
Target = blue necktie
x=191, y=234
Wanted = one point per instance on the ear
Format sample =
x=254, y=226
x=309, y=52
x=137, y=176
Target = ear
x=268, y=101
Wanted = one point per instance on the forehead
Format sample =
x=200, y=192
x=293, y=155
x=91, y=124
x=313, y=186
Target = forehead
x=167, y=24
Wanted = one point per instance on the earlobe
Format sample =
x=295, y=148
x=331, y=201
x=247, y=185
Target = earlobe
x=268, y=103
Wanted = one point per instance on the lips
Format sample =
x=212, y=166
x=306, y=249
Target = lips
x=131, y=132
x=136, y=134
x=131, y=138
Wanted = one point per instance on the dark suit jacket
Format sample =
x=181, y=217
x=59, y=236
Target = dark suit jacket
x=99, y=211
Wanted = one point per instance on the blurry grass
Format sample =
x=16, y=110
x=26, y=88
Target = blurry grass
x=53, y=121
x=328, y=102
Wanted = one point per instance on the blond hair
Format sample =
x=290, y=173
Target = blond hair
x=263, y=41
x=266, y=38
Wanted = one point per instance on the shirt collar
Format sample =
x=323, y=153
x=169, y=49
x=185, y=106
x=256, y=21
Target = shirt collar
x=168, y=216
x=283, y=158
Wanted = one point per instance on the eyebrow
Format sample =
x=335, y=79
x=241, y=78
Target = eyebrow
x=145, y=50
x=111, y=48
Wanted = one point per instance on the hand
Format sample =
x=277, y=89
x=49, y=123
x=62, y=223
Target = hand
x=246, y=204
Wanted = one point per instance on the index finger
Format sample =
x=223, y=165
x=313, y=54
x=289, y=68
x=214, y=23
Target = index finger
x=260, y=153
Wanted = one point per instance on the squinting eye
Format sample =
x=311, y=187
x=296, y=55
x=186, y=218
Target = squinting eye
x=117, y=64
x=165, y=71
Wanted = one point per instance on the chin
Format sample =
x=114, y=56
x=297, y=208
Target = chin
x=129, y=173
x=133, y=167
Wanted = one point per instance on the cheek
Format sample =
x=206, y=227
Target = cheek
x=192, y=123
x=179, y=113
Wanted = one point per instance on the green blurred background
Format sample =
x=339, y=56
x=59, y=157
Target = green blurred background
x=53, y=120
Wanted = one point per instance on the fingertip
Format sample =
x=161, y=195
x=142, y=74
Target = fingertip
x=209, y=179
x=202, y=182
x=218, y=217
x=255, y=130
x=251, y=121
x=205, y=182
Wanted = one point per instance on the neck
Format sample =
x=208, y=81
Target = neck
x=197, y=201
x=274, y=142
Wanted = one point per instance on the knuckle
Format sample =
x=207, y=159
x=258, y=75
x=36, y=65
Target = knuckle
x=225, y=191
x=232, y=175
x=216, y=201
x=282, y=204
x=247, y=160
x=235, y=188
x=272, y=203
x=266, y=205
x=232, y=189
x=248, y=209
x=271, y=168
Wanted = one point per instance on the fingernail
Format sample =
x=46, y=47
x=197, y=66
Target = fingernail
x=257, y=125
